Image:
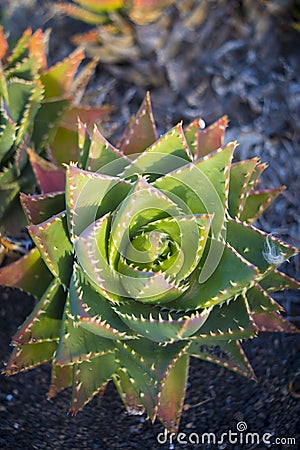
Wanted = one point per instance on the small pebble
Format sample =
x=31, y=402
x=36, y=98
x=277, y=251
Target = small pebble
x=222, y=446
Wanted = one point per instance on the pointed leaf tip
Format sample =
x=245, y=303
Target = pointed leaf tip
x=141, y=131
x=172, y=394
x=49, y=177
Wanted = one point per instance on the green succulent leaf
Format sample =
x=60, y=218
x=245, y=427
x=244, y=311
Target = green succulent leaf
x=261, y=249
x=29, y=274
x=93, y=311
x=240, y=174
x=142, y=378
x=30, y=111
x=61, y=378
x=257, y=202
x=8, y=129
x=80, y=13
x=149, y=287
x=231, y=320
x=84, y=143
x=20, y=93
x=104, y=157
x=36, y=102
x=39, y=208
x=161, y=326
x=172, y=394
x=47, y=119
x=128, y=393
x=26, y=69
x=77, y=344
x=142, y=205
x=202, y=187
x=227, y=354
x=90, y=196
x=229, y=277
x=3, y=82
x=260, y=301
x=158, y=358
x=277, y=281
x=44, y=322
x=254, y=178
x=52, y=239
x=89, y=377
x=92, y=254
x=102, y=6
x=70, y=149
x=190, y=233
x=7, y=196
x=168, y=153
x=58, y=79
x=29, y=356
x=20, y=49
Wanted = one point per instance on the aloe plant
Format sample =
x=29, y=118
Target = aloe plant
x=39, y=109
x=97, y=12
x=148, y=258
x=126, y=36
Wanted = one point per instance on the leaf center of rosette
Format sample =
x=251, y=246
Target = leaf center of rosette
x=149, y=250
x=145, y=250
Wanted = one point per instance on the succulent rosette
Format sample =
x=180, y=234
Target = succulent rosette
x=149, y=257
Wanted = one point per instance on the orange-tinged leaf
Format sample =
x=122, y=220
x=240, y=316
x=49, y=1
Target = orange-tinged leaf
x=3, y=44
x=141, y=131
x=90, y=37
x=80, y=14
x=212, y=137
x=87, y=114
x=101, y=5
x=49, y=177
x=273, y=321
x=37, y=48
x=29, y=274
x=172, y=394
x=58, y=79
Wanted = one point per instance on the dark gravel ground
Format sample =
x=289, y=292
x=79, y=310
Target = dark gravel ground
x=243, y=60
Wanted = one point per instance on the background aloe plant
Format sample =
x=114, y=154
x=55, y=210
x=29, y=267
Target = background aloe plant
x=121, y=38
x=149, y=257
x=38, y=109
x=98, y=12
